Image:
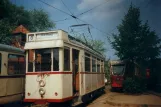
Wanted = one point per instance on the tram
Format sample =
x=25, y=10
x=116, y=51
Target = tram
x=120, y=70
x=12, y=74
x=60, y=68
x=117, y=71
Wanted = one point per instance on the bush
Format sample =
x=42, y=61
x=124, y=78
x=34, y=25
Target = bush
x=158, y=88
x=134, y=85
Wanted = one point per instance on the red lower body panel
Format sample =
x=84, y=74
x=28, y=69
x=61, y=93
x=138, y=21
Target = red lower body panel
x=116, y=81
x=115, y=84
x=42, y=101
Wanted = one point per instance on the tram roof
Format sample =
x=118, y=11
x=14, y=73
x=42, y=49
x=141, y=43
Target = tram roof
x=70, y=39
x=8, y=48
x=73, y=38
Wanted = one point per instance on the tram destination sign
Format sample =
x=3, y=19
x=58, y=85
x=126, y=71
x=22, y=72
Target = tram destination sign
x=46, y=36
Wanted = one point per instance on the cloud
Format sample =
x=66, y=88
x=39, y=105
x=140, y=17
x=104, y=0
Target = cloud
x=85, y=4
x=88, y=3
x=108, y=10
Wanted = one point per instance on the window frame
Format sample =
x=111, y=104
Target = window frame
x=19, y=69
x=0, y=62
x=69, y=59
x=102, y=66
x=95, y=59
x=27, y=60
x=99, y=63
x=87, y=55
x=50, y=60
x=52, y=57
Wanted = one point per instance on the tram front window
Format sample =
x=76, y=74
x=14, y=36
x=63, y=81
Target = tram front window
x=118, y=69
x=42, y=60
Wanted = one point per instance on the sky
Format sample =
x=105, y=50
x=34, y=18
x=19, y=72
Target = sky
x=103, y=20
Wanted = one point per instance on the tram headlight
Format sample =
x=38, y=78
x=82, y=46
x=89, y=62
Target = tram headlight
x=41, y=83
x=42, y=91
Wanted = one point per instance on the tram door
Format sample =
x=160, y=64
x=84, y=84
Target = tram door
x=75, y=61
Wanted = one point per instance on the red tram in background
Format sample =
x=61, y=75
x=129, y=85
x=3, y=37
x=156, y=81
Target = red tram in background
x=120, y=70
x=117, y=70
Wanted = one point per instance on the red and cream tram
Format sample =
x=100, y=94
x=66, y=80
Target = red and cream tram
x=60, y=68
x=117, y=71
x=120, y=70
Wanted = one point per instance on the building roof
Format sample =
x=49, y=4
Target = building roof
x=8, y=48
x=20, y=29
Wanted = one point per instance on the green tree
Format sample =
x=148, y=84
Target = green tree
x=135, y=41
x=107, y=69
x=12, y=16
x=40, y=21
x=5, y=31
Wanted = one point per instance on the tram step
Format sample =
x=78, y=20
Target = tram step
x=77, y=103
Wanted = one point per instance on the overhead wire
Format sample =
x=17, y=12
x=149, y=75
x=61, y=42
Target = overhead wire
x=79, y=14
x=83, y=30
x=60, y=20
x=93, y=8
x=72, y=16
x=66, y=7
x=88, y=29
x=90, y=34
x=97, y=28
x=100, y=29
x=54, y=7
x=82, y=34
x=58, y=10
x=68, y=10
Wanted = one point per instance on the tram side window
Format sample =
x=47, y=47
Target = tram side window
x=16, y=64
x=22, y=64
x=102, y=67
x=66, y=59
x=87, y=63
x=0, y=62
x=30, y=60
x=93, y=64
x=56, y=59
x=42, y=60
x=98, y=65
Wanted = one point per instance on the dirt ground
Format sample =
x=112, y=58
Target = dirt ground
x=117, y=99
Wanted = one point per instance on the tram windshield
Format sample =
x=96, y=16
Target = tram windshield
x=118, y=69
x=43, y=60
